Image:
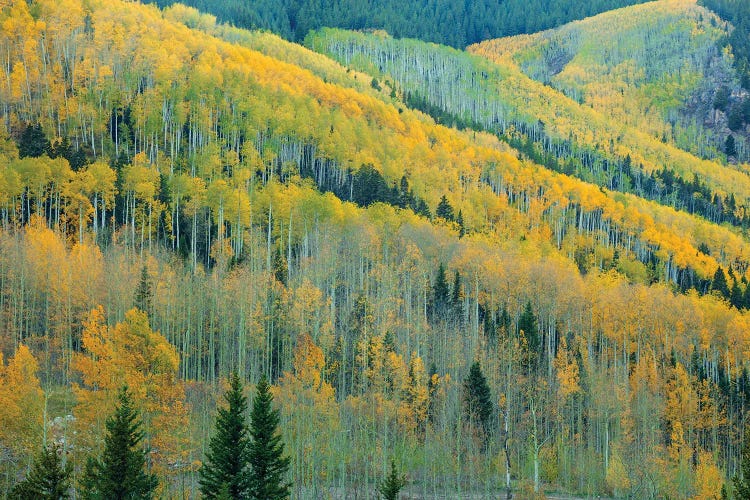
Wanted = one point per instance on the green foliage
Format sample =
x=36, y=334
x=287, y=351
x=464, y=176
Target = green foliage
x=441, y=294
x=392, y=485
x=477, y=400
x=443, y=21
x=444, y=210
x=730, y=146
x=144, y=294
x=120, y=473
x=719, y=283
x=741, y=481
x=269, y=465
x=48, y=479
x=226, y=471
x=738, y=13
x=528, y=325
x=33, y=142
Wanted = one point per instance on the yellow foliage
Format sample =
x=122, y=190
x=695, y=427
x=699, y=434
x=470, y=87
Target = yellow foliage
x=21, y=404
x=708, y=478
x=131, y=354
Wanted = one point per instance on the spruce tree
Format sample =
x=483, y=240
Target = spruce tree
x=226, y=471
x=527, y=324
x=730, y=147
x=267, y=459
x=393, y=484
x=120, y=471
x=719, y=283
x=741, y=481
x=33, y=142
x=477, y=399
x=441, y=296
x=445, y=210
x=48, y=479
x=144, y=294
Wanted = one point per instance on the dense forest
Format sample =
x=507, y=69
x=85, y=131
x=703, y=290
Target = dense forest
x=429, y=299
x=738, y=13
x=448, y=22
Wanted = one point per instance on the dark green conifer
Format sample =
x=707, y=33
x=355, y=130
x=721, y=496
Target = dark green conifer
x=269, y=465
x=120, y=473
x=445, y=210
x=441, y=295
x=741, y=481
x=392, y=485
x=48, y=479
x=527, y=324
x=33, y=142
x=461, y=227
x=730, y=146
x=719, y=283
x=143, y=293
x=477, y=399
x=227, y=466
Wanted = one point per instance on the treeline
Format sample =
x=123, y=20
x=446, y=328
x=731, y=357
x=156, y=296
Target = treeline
x=450, y=23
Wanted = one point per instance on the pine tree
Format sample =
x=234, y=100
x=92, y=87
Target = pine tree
x=49, y=479
x=393, y=484
x=460, y=222
x=441, y=295
x=444, y=210
x=33, y=142
x=477, y=399
x=144, y=294
x=527, y=324
x=730, y=146
x=269, y=466
x=719, y=283
x=120, y=471
x=227, y=466
x=742, y=481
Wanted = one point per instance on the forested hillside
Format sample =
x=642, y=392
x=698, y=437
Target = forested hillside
x=484, y=308
x=736, y=12
x=443, y=21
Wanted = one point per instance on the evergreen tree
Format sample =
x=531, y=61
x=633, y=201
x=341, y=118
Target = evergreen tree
x=527, y=324
x=730, y=146
x=719, y=283
x=457, y=292
x=393, y=484
x=736, y=296
x=445, y=210
x=280, y=270
x=269, y=466
x=33, y=142
x=441, y=296
x=741, y=481
x=49, y=479
x=120, y=471
x=227, y=465
x=477, y=399
x=144, y=294
x=461, y=227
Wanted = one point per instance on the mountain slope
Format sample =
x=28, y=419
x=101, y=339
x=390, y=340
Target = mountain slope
x=452, y=23
x=658, y=67
x=547, y=125
x=274, y=213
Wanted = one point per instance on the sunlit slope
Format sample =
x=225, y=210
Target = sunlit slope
x=209, y=119
x=500, y=97
x=655, y=66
